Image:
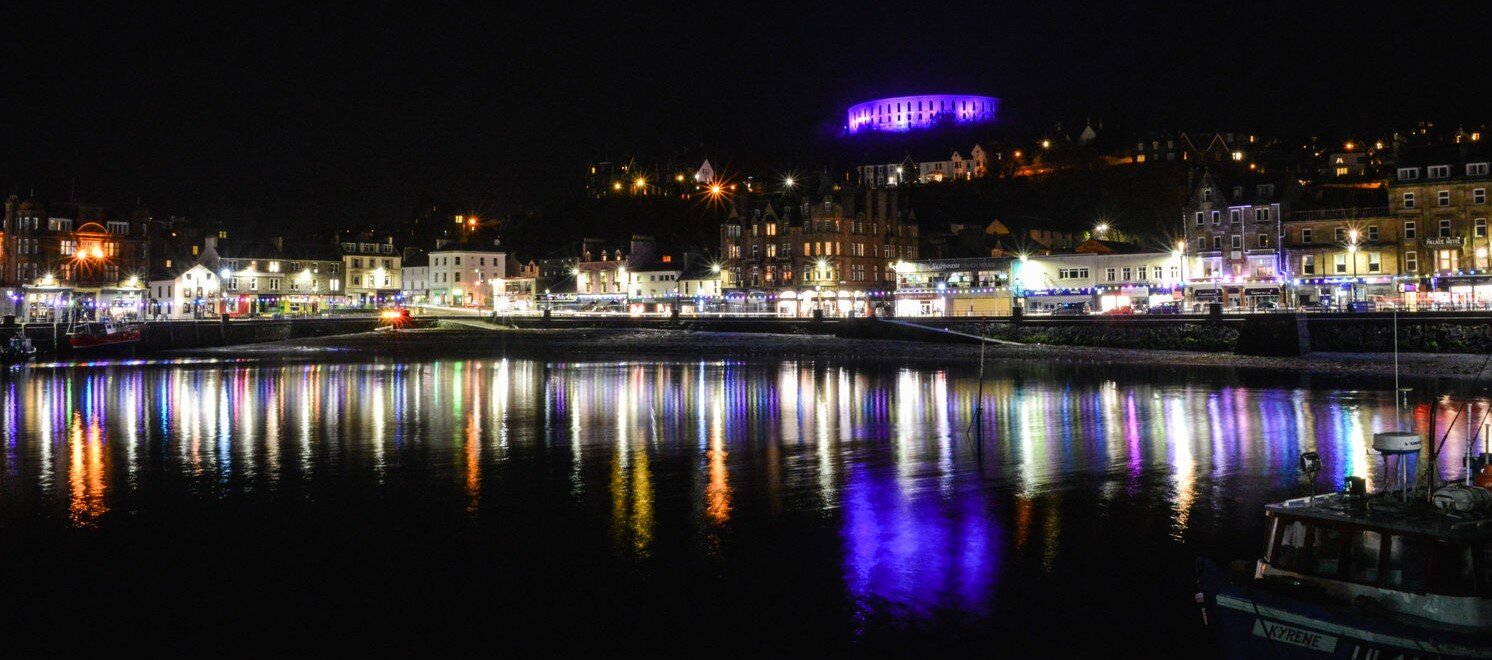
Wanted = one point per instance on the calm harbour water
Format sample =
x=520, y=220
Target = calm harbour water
x=701, y=507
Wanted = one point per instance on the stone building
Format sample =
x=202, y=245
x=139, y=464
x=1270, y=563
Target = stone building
x=1231, y=238
x=832, y=252
x=72, y=261
x=1336, y=255
x=1438, y=196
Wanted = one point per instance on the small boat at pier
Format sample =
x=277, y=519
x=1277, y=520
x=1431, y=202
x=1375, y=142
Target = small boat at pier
x=17, y=349
x=1400, y=574
x=106, y=337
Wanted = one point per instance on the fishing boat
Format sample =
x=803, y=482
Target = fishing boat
x=105, y=337
x=1402, y=573
x=17, y=349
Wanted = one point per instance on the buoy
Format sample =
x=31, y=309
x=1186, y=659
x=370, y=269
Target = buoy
x=1463, y=499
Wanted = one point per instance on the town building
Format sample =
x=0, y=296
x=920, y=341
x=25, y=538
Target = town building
x=71, y=261
x=257, y=278
x=415, y=275
x=831, y=253
x=1104, y=274
x=516, y=288
x=1232, y=231
x=192, y=293
x=373, y=269
x=461, y=278
x=1439, y=197
x=954, y=287
x=1337, y=255
x=929, y=167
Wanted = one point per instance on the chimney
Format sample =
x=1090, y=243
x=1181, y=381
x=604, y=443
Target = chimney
x=279, y=242
x=209, y=243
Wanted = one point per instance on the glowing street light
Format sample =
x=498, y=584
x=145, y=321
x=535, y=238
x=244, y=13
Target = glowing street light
x=789, y=182
x=1101, y=229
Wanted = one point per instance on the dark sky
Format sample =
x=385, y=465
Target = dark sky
x=290, y=115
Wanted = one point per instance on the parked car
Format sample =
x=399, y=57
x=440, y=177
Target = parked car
x=1071, y=309
x=1267, y=306
x=1360, y=306
x=1120, y=311
x=1315, y=307
x=1173, y=307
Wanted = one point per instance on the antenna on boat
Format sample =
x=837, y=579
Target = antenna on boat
x=979, y=407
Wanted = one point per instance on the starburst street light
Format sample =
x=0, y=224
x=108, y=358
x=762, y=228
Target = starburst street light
x=1101, y=228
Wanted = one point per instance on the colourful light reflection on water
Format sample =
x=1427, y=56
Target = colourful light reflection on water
x=880, y=459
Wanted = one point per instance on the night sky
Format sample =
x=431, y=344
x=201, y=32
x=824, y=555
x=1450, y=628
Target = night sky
x=288, y=115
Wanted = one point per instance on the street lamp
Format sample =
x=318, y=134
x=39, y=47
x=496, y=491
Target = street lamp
x=1352, y=254
x=1180, y=254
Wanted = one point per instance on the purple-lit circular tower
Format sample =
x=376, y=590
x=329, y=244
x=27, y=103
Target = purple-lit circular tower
x=899, y=114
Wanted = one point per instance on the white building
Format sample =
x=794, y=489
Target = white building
x=191, y=294
x=652, y=288
x=461, y=278
x=1104, y=274
x=416, y=280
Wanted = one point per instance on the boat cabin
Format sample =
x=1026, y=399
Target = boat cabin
x=1394, y=553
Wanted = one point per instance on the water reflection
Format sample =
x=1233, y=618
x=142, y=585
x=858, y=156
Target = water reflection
x=880, y=460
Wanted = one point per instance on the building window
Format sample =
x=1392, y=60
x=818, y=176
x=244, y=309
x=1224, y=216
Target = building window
x=1126, y=274
x=1478, y=195
x=1439, y=171
x=1236, y=241
x=1307, y=235
x=1261, y=215
x=1263, y=240
x=1375, y=262
x=1409, y=200
x=1217, y=242
x=1411, y=262
x=1110, y=275
x=1476, y=169
x=1339, y=263
x=1373, y=233
x=1341, y=234
x=1308, y=264
x=1409, y=229
x=1448, y=260
x=1216, y=217
x=1200, y=221
x=1235, y=216
x=1443, y=198
x=1408, y=173
x=1479, y=227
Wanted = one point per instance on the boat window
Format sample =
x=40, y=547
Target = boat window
x=1362, y=555
x=1451, y=574
x=1290, y=553
x=1405, y=569
x=1326, y=550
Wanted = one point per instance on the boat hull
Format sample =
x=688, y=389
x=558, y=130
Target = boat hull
x=1254, y=623
x=118, y=342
